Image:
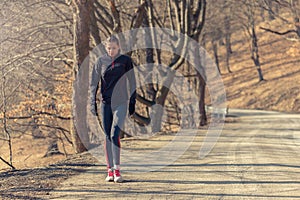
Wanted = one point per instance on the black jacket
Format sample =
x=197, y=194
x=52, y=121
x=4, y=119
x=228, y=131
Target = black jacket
x=113, y=75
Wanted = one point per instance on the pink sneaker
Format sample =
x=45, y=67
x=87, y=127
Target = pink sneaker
x=117, y=176
x=110, y=175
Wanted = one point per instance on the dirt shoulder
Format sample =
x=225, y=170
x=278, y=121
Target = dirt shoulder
x=37, y=182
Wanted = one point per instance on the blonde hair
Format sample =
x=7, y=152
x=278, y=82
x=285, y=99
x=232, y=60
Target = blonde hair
x=112, y=39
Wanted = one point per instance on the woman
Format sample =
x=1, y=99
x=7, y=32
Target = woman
x=110, y=70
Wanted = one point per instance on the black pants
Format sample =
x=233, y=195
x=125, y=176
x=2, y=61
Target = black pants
x=113, y=121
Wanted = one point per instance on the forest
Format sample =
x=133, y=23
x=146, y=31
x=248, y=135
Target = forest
x=254, y=46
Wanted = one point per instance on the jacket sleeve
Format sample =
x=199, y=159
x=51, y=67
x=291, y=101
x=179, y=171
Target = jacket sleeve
x=132, y=81
x=96, y=75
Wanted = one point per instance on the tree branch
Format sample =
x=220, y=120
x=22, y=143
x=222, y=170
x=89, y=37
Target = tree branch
x=140, y=119
x=11, y=166
x=108, y=23
x=116, y=17
x=144, y=101
x=182, y=43
x=201, y=10
x=139, y=16
x=276, y=32
x=37, y=114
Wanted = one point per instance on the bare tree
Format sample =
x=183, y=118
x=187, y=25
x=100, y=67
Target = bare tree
x=181, y=14
x=293, y=19
x=228, y=31
x=36, y=45
x=248, y=14
x=269, y=7
x=251, y=26
x=219, y=34
x=4, y=105
x=82, y=21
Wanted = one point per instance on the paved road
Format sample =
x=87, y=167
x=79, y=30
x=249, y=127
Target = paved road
x=257, y=157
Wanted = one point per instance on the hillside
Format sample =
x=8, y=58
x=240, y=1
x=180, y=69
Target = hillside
x=280, y=62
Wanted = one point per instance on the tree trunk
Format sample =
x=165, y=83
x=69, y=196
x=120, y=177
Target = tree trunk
x=197, y=60
x=255, y=54
x=228, y=42
x=79, y=130
x=4, y=122
x=94, y=28
x=216, y=56
x=149, y=51
x=270, y=12
x=203, y=40
x=228, y=53
x=262, y=13
x=201, y=78
x=297, y=25
x=202, y=85
x=162, y=94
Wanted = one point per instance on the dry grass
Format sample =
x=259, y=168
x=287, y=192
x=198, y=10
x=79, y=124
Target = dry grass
x=29, y=152
x=280, y=62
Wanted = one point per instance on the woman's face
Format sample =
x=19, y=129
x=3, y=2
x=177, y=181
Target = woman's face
x=112, y=49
